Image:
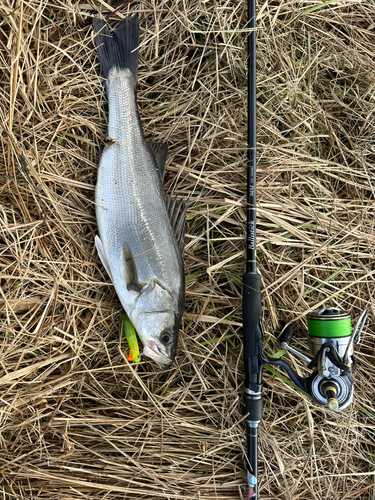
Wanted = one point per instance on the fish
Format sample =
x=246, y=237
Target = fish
x=141, y=229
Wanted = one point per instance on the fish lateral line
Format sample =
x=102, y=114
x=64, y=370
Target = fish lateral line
x=142, y=253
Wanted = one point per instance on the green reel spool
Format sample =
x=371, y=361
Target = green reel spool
x=329, y=323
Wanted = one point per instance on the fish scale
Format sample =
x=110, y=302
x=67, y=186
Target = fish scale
x=129, y=212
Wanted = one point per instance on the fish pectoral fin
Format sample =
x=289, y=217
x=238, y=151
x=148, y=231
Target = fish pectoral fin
x=159, y=151
x=177, y=208
x=130, y=270
x=102, y=256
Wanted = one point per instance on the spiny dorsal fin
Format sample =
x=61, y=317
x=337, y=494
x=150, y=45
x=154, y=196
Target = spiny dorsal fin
x=177, y=208
x=159, y=151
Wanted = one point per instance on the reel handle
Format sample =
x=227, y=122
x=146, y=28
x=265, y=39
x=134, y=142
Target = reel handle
x=285, y=339
x=286, y=336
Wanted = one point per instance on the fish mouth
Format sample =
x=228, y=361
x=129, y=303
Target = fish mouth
x=152, y=351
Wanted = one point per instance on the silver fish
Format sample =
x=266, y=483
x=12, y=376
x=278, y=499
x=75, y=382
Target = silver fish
x=141, y=229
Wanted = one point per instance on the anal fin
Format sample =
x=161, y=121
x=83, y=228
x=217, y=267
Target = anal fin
x=102, y=256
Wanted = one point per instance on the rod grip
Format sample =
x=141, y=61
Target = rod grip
x=252, y=344
x=252, y=330
x=253, y=407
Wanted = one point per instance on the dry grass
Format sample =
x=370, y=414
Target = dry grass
x=78, y=421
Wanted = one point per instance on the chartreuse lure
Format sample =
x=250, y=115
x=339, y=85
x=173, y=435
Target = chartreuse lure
x=131, y=337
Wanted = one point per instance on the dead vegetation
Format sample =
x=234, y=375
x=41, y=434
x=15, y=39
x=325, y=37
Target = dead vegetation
x=77, y=420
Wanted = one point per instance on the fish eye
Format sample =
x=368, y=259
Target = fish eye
x=166, y=337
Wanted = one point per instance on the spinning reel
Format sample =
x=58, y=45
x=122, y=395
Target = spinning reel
x=331, y=356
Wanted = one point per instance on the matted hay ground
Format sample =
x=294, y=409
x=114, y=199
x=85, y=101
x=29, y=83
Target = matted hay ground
x=77, y=420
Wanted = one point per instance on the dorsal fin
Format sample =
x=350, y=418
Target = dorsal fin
x=177, y=208
x=159, y=151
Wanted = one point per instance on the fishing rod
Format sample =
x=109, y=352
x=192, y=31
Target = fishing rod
x=331, y=338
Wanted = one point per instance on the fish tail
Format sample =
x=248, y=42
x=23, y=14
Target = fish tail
x=120, y=50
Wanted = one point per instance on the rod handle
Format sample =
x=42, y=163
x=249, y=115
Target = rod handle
x=252, y=329
x=253, y=406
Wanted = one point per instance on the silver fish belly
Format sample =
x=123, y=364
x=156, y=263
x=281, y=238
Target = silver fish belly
x=137, y=243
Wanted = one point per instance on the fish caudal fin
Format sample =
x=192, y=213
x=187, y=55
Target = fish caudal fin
x=119, y=50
